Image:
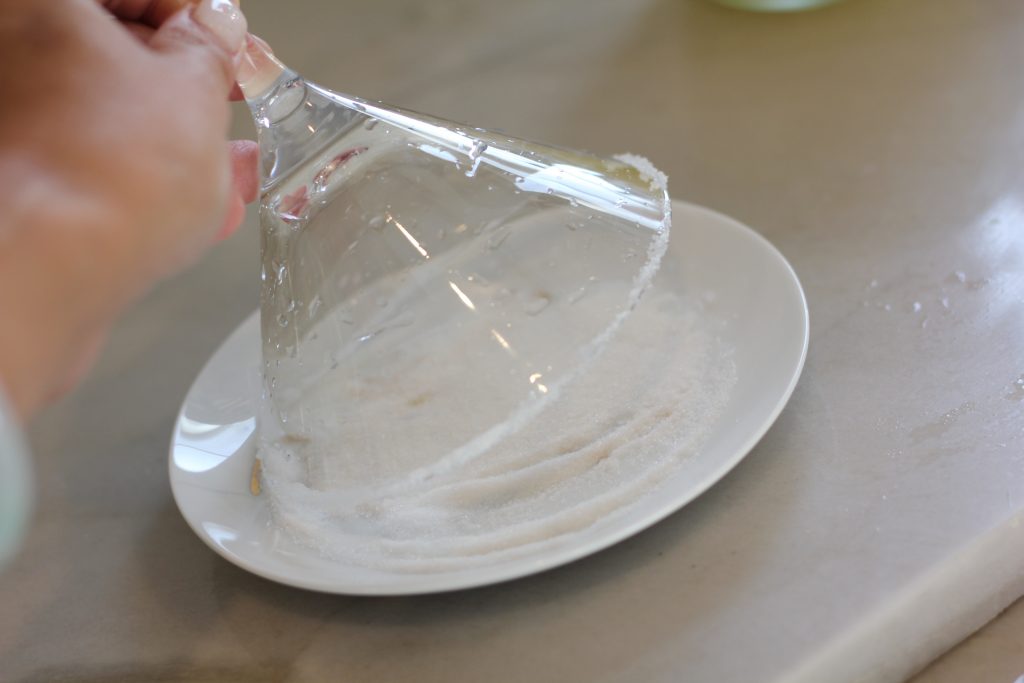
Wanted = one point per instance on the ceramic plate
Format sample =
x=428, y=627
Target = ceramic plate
x=760, y=312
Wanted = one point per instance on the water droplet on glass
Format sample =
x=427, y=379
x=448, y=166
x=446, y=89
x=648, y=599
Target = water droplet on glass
x=478, y=148
x=916, y=307
x=282, y=320
x=577, y=295
x=475, y=152
x=370, y=124
x=377, y=222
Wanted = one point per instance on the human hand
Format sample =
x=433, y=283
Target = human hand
x=114, y=168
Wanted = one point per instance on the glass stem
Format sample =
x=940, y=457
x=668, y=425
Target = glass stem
x=293, y=120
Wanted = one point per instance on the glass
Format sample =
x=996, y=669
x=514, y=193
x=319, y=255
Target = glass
x=427, y=287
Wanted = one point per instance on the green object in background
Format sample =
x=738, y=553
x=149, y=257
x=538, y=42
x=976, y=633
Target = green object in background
x=775, y=5
x=15, y=484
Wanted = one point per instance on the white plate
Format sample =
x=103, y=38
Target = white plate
x=757, y=298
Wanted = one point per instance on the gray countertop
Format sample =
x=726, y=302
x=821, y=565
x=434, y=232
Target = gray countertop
x=878, y=144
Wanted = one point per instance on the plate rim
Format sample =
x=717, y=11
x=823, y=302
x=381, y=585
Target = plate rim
x=520, y=567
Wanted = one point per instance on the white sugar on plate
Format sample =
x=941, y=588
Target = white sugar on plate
x=612, y=437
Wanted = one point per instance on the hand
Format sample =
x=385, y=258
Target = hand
x=114, y=168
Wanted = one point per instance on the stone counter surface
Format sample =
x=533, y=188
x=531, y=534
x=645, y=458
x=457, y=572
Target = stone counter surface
x=879, y=144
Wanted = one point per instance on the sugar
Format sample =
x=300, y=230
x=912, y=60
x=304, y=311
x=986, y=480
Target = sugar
x=387, y=471
x=610, y=438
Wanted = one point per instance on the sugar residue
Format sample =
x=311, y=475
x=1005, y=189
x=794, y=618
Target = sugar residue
x=633, y=406
x=640, y=411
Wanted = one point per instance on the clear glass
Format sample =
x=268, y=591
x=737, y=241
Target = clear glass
x=427, y=287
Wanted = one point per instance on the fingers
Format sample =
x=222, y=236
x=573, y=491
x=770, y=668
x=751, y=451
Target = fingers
x=224, y=20
x=150, y=12
x=207, y=35
x=235, y=215
x=245, y=172
x=142, y=18
x=141, y=31
x=245, y=183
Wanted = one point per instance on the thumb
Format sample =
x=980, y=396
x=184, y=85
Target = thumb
x=211, y=33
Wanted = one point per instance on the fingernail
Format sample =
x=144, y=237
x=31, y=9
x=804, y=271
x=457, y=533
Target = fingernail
x=224, y=20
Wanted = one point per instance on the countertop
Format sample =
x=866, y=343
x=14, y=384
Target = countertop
x=877, y=144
